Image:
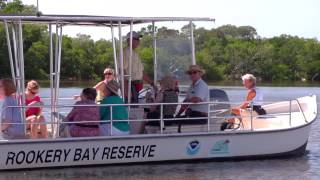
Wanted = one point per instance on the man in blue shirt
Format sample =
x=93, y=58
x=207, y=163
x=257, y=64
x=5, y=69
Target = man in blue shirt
x=197, y=92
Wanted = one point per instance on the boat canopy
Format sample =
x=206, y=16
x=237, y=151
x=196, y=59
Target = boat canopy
x=13, y=25
x=96, y=20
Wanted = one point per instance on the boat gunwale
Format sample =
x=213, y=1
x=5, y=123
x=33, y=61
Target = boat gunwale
x=148, y=136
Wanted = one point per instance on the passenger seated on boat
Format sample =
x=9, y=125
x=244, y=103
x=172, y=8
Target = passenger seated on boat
x=166, y=94
x=85, y=113
x=108, y=76
x=197, y=92
x=118, y=112
x=10, y=115
x=254, y=98
x=37, y=126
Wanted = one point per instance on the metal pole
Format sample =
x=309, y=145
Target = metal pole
x=56, y=65
x=59, y=63
x=121, y=61
x=290, y=109
x=130, y=65
x=23, y=95
x=58, y=75
x=208, y=117
x=51, y=75
x=111, y=120
x=161, y=119
x=16, y=62
x=10, y=52
x=114, y=52
x=155, y=64
x=251, y=113
x=192, y=44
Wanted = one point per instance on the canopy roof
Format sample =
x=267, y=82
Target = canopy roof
x=95, y=20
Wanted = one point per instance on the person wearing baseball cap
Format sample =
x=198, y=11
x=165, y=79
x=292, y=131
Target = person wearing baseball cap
x=197, y=92
x=137, y=69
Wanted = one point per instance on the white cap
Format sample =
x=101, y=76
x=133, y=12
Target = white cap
x=135, y=35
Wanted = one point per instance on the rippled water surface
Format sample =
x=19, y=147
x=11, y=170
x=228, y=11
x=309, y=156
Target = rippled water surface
x=305, y=167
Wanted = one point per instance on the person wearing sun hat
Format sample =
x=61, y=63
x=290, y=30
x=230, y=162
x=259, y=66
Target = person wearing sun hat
x=118, y=112
x=137, y=69
x=197, y=92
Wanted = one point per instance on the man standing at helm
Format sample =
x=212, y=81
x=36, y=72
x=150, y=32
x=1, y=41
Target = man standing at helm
x=137, y=69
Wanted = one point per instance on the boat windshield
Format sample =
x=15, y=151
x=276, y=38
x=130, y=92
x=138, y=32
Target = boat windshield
x=174, y=55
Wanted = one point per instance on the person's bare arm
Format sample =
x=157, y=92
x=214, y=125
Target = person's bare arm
x=250, y=96
x=99, y=85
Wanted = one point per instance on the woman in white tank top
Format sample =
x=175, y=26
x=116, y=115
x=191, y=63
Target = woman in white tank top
x=254, y=98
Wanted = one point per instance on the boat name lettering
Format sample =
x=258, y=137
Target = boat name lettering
x=79, y=154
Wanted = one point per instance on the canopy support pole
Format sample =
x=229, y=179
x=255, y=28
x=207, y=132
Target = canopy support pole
x=13, y=75
x=22, y=79
x=51, y=76
x=16, y=63
x=130, y=64
x=114, y=52
x=155, y=64
x=121, y=61
x=192, y=44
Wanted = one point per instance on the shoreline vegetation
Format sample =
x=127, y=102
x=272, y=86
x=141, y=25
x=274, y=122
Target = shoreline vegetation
x=225, y=52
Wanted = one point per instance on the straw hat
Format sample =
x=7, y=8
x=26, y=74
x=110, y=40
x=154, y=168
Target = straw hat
x=113, y=86
x=168, y=82
x=195, y=68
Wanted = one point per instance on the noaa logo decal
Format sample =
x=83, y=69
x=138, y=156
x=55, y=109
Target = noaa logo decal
x=193, y=147
x=220, y=147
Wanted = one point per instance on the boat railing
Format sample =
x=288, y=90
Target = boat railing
x=213, y=115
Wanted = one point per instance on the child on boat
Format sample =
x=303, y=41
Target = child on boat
x=33, y=114
x=85, y=113
x=10, y=114
x=117, y=113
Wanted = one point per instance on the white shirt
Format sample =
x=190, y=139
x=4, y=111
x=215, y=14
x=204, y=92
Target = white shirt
x=136, y=66
x=199, y=89
x=258, y=99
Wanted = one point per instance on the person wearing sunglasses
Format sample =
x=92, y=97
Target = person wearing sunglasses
x=37, y=126
x=109, y=75
x=11, y=121
x=197, y=92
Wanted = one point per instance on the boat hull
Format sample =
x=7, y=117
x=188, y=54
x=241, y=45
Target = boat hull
x=154, y=148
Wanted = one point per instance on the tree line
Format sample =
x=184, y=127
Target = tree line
x=226, y=52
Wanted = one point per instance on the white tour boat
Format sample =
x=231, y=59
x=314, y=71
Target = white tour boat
x=282, y=132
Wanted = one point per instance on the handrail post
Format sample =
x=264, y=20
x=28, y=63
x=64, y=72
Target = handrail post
x=290, y=109
x=161, y=118
x=305, y=119
x=208, y=117
x=111, y=120
x=251, y=114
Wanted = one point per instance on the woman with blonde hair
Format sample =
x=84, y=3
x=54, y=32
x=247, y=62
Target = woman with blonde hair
x=109, y=75
x=38, y=128
x=11, y=120
x=254, y=99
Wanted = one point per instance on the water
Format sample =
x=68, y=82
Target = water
x=306, y=167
